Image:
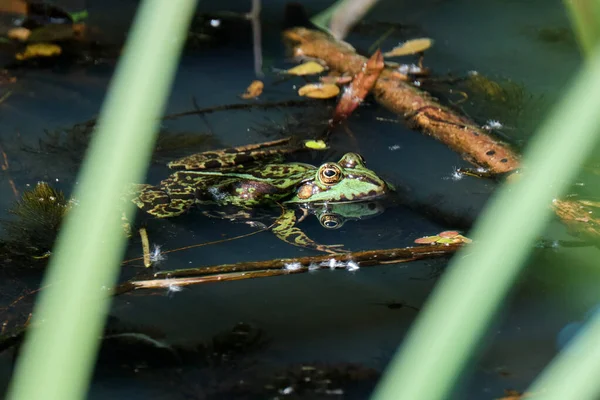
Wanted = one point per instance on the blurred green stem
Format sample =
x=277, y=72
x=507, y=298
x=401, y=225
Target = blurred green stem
x=585, y=15
x=59, y=352
x=573, y=374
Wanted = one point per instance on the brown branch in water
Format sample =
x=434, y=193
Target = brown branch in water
x=278, y=267
x=419, y=109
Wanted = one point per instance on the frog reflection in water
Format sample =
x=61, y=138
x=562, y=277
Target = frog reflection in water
x=347, y=181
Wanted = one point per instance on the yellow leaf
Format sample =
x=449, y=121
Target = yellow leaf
x=410, y=47
x=319, y=90
x=308, y=68
x=254, y=90
x=315, y=144
x=39, y=50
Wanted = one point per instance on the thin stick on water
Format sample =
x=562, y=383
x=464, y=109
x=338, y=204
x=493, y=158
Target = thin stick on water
x=145, y=247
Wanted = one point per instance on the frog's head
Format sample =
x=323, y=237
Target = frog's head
x=348, y=180
x=335, y=215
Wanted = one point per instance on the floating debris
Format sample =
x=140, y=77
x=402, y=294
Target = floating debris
x=254, y=90
x=308, y=68
x=292, y=266
x=410, y=47
x=492, y=124
x=319, y=90
x=156, y=255
x=406, y=69
x=352, y=266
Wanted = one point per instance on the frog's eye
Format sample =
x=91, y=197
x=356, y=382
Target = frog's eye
x=330, y=174
x=330, y=221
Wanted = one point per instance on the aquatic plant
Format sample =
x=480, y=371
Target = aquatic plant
x=30, y=235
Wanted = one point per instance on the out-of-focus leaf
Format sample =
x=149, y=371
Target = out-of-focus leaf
x=39, y=50
x=308, y=68
x=254, y=90
x=410, y=47
x=315, y=144
x=319, y=90
x=19, y=33
x=359, y=88
x=79, y=16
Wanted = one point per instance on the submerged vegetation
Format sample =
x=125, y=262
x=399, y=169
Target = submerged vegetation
x=36, y=218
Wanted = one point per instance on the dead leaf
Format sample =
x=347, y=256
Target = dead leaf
x=254, y=90
x=308, y=68
x=410, y=47
x=361, y=85
x=319, y=90
x=21, y=34
x=39, y=50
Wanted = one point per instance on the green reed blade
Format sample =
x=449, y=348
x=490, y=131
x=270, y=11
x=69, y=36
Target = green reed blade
x=59, y=352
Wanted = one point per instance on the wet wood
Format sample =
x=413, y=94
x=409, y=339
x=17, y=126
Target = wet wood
x=419, y=109
x=262, y=269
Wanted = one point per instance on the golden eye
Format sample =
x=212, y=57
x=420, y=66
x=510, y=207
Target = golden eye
x=330, y=221
x=330, y=174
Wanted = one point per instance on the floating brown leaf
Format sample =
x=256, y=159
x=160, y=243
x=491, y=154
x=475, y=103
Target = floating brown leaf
x=19, y=33
x=308, y=68
x=359, y=88
x=254, y=90
x=319, y=90
x=410, y=47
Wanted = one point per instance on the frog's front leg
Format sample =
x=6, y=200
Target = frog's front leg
x=159, y=203
x=284, y=228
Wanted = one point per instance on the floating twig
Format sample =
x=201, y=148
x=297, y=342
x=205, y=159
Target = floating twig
x=145, y=247
x=278, y=267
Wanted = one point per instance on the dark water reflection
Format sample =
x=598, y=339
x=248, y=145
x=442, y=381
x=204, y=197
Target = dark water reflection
x=327, y=317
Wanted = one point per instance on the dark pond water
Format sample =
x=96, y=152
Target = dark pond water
x=328, y=318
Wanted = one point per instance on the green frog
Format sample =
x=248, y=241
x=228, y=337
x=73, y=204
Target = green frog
x=215, y=178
